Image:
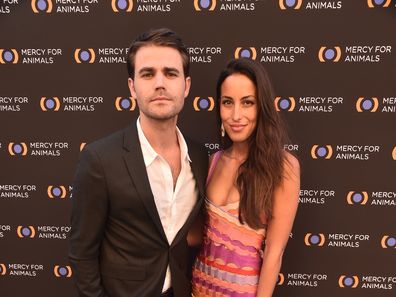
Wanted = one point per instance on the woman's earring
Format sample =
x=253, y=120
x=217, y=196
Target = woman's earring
x=222, y=130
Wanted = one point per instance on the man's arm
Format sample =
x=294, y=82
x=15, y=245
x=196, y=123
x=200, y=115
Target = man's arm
x=89, y=214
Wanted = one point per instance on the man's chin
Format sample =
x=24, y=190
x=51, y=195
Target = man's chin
x=162, y=117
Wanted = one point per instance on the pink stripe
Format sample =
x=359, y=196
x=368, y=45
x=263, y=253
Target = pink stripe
x=229, y=256
x=233, y=242
x=233, y=231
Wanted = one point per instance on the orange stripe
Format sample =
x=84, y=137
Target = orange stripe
x=234, y=221
x=234, y=212
x=218, y=241
x=228, y=268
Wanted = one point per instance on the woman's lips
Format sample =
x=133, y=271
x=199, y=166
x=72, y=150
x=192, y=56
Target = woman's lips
x=237, y=127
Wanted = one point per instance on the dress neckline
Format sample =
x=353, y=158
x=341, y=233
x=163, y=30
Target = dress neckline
x=222, y=205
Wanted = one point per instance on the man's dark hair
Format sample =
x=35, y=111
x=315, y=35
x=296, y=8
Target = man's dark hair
x=158, y=37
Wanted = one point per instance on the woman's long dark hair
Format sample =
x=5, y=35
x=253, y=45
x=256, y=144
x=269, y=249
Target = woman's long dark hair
x=261, y=173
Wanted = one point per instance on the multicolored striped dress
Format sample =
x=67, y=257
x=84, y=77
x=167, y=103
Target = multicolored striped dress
x=229, y=262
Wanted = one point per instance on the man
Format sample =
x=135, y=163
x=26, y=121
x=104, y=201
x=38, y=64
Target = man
x=137, y=191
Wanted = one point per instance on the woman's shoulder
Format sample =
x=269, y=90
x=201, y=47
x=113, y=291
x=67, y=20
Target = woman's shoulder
x=291, y=159
x=291, y=165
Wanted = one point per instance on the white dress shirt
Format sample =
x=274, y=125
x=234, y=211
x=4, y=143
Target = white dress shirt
x=173, y=204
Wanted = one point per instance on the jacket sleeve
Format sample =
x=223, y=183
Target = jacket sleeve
x=88, y=219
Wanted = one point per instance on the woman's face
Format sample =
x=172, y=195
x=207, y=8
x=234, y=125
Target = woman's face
x=238, y=107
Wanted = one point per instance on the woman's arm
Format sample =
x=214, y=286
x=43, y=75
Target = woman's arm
x=279, y=228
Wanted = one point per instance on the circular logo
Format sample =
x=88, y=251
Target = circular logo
x=329, y=54
x=245, y=53
x=62, y=271
x=8, y=56
x=26, y=232
x=17, y=148
x=122, y=4
x=290, y=3
x=367, y=104
x=322, y=151
x=284, y=103
x=379, y=2
x=42, y=5
x=390, y=242
x=85, y=55
x=50, y=103
x=203, y=103
x=314, y=239
x=357, y=198
x=125, y=103
x=56, y=191
x=348, y=281
x=204, y=3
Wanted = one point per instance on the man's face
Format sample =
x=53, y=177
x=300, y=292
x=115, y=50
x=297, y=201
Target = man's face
x=159, y=85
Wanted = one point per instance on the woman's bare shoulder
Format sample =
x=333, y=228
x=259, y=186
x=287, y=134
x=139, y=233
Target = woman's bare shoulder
x=291, y=166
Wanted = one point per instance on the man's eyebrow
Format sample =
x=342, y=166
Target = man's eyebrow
x=171, y=69
x=146, y=69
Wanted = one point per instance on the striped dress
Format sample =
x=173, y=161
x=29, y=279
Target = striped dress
x=229, y=262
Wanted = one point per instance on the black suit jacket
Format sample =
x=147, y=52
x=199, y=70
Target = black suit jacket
x=118, y=247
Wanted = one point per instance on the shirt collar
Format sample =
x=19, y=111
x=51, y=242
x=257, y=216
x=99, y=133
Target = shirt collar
x=149, y=154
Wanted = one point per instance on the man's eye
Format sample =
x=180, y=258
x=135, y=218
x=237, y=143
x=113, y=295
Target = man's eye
x=147, y=75
x=172, y=74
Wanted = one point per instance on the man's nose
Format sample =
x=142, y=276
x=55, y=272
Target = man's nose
x=159, y=81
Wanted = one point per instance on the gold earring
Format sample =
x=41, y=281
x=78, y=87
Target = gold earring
x=222, y=130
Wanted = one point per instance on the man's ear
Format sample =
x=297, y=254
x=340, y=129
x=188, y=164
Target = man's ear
x=188, y=85
x=131, y=86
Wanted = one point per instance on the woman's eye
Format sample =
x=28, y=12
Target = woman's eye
x=226, y=102
x=248, y=101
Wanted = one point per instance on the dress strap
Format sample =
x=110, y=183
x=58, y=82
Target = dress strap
x=213, y=164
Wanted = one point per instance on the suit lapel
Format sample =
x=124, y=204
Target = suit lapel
x=137, y=170
x=198, y=167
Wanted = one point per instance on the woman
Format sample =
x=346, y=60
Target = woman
x=252, y=190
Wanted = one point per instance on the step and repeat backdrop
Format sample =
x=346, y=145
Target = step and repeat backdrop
x=63, y=83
